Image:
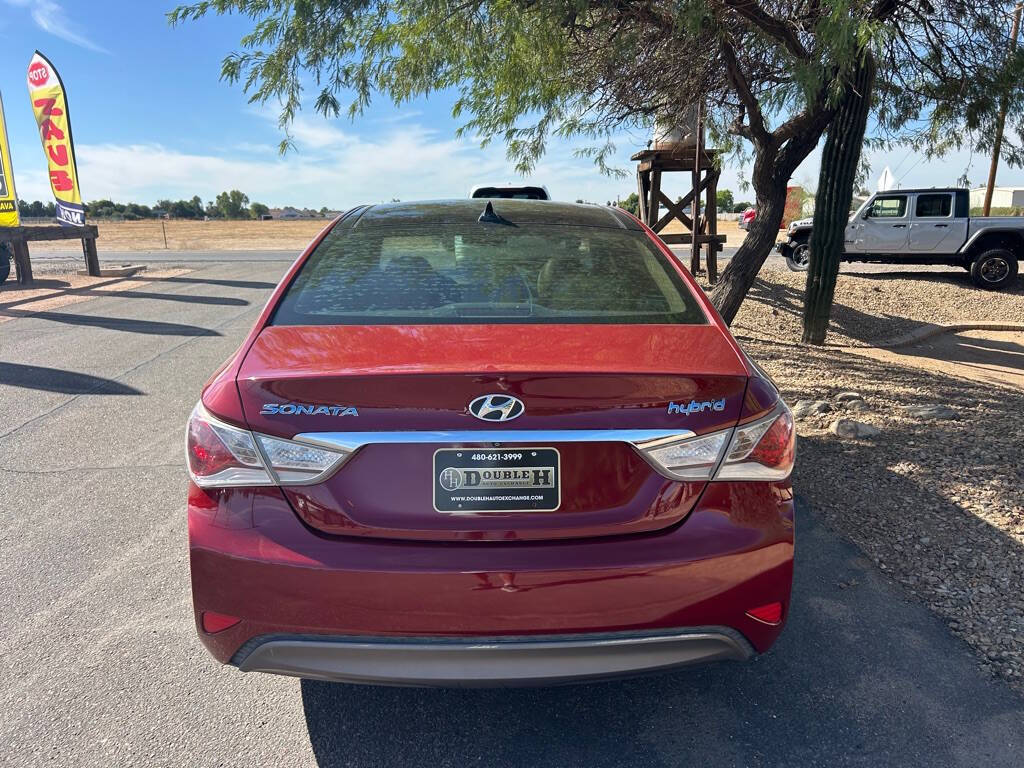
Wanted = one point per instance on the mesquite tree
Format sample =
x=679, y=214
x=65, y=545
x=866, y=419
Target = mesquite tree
x=839, y=162
x=769, y=73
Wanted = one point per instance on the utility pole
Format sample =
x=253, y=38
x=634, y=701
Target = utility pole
x=997, y=143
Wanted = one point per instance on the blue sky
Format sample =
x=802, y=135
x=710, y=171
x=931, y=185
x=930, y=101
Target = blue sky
x=152, y=120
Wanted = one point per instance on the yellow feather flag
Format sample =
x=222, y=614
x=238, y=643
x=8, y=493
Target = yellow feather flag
x=50, y=106
x=8, y=195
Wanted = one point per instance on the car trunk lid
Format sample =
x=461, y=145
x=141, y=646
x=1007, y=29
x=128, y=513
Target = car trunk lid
x=402, y=393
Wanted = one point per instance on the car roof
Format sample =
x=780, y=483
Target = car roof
x=508, y=188
x=903, y=191
x=465, y=211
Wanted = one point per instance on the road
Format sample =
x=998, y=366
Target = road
x=102, y=667
x=208, y=257
x=167, y=257
x=49, y=260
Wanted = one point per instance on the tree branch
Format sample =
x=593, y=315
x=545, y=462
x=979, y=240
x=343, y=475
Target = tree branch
x=758, y=131
x=772, y=26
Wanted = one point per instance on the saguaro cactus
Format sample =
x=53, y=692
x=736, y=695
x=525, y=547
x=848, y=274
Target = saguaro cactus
x=835, y=191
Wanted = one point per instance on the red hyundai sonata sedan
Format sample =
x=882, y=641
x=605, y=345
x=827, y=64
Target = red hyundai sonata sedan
x=488, y=443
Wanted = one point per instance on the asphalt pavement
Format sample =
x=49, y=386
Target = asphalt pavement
x=51, y=260
x=216, y=257
x=101, y=666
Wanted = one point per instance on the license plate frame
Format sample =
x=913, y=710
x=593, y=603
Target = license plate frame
x=496, y=495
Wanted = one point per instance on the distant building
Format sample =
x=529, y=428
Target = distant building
x=1002, y=197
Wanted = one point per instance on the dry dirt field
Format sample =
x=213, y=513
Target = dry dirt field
x=197, y=236
x=235, y=235
x=730, y=229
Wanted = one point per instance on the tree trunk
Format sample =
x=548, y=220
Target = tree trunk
x=832, y=205
x=773, y=167
x=741, y=271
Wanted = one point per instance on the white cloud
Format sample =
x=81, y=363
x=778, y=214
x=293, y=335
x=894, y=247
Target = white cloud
x=329, y=167
x=319, y=133
x=336, y=167
x=51, y=17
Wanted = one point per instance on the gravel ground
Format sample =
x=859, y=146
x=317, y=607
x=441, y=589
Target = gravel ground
x=871, y=307
x=936, y=498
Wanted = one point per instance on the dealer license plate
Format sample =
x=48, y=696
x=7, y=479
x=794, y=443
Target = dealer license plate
x=491, y=480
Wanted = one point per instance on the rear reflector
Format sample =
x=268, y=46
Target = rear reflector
x=217, y=622
x=767, y=614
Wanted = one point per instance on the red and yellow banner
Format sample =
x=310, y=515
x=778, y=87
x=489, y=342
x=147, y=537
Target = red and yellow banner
x=50, y=106
x=8, y=197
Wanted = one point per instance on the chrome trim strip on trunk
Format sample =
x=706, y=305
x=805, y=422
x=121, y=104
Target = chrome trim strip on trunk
x=351, y=441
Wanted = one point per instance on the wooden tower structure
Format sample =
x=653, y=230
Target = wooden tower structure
x=698, y=162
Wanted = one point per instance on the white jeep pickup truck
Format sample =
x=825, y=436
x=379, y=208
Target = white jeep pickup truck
x=923, y=226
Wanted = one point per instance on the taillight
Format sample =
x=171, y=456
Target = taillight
x=759, y=450
x=221, y=455
x=762, y=450
x=295, y=463
x=693, y=458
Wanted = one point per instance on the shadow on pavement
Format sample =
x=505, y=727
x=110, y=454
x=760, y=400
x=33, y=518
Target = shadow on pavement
x=93, y=293
x=129, y=325
x=254, y=284
x=861, y=676
x=13, y=288
x=186, y=298
x=58, y=380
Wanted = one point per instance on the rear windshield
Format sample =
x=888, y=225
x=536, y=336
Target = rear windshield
x=486, y=273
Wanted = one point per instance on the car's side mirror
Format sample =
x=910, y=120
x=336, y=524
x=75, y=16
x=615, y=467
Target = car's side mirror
x=866, y=215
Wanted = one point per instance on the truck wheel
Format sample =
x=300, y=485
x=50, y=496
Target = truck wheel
x=798, y=257
x=994, y=269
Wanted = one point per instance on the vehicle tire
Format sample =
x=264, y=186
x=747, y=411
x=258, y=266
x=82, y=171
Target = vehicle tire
x=994, y=269
x=5, y=263
x=798, y=256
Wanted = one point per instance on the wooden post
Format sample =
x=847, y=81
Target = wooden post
x=695, y=215
x=92, y=262
x=701, y=223
x=695, y=205
x=642, y=183
x=654, y=207
x=19, y=238
x=22, y=263
x=711, y=217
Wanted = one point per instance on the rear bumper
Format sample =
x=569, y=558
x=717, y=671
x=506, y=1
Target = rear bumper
x=494, y=661
x=422, y=612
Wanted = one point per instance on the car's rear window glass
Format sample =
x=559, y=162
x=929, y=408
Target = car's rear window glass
x=486, y=273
